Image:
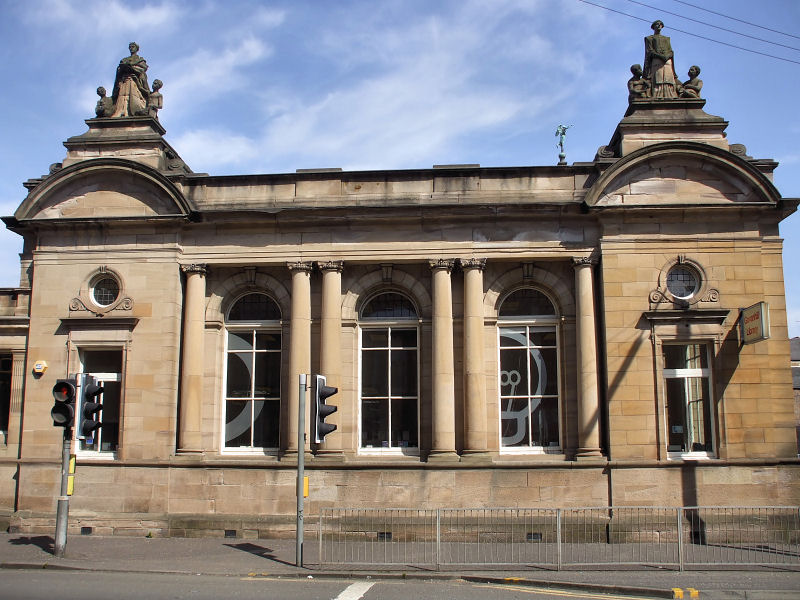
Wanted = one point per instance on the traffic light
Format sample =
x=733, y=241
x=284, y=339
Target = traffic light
x=90, y=406
x=321, y=410
x=63, y=411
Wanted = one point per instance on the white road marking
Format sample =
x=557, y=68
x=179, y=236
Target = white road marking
x=355, y=591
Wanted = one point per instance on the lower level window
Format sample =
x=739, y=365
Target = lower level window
x=688, y=394
x=389, y=397
x=106, y=366
x=529, y=388
x=5, y=390
x=253, y=389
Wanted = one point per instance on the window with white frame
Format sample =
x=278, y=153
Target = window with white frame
x=687, y=378
x=106, y=366
x=528, y=373
x=6, y=361
x=253, y=374
x=389, y=372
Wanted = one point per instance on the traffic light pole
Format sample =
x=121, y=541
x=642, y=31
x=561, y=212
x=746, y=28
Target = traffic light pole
x=301, y=459
x=62, y=512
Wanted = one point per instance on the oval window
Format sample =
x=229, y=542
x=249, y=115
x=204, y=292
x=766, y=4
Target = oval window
x=105, y=291
x=682, y=282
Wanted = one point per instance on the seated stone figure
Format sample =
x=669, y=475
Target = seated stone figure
x=637, y=86
x=155, y=101
x=692, y=87
x=105, y=106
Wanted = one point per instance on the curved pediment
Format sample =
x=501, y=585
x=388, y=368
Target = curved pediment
x=681, y=173
x=105, y=188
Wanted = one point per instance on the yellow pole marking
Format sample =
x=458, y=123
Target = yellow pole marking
x=677, y=594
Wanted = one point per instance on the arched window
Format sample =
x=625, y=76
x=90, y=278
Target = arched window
x=389, y=373
x=253, y=373
x=529, y=373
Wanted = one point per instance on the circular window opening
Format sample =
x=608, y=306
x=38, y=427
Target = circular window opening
x=105, y=291
x=682, y=282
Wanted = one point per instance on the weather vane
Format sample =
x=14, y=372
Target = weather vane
x=561, y=134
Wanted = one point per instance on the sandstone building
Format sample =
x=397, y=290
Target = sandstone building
x=509, y=336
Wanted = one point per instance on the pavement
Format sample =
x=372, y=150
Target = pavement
x=276, y=558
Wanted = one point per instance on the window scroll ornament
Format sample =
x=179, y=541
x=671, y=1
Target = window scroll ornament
x=102, y=292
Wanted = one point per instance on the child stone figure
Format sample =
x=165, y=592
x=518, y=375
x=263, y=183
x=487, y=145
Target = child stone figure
x=105, y=105
x=691, y=88
x=155, y=100
x=637, y=86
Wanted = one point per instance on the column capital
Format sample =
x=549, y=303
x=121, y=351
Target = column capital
x=583, y=261
x=300, y=266
x=331, y=265
x=200, y=268
x=472, y=263
x=442, y=263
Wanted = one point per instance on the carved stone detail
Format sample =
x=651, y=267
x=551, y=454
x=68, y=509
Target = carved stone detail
x=582, y=261
x=300, y=266
x=387, y=269
x=331, y=265
x=202, y=269
x=473, y=263
x=442, y=263
x=712, y=295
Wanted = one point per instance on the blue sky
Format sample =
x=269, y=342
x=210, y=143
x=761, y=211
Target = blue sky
x=266, y=87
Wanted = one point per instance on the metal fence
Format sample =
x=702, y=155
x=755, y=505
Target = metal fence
x=562, y=538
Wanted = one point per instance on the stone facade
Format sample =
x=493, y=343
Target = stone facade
x=512, y=336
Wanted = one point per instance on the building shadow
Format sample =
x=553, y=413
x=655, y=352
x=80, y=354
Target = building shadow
x=44, y=542
x=259, y=551
x=697, y=526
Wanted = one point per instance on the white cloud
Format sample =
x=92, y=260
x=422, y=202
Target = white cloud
x=267, y=17
x=104, y=18
x=205, y=74
x=205, y=148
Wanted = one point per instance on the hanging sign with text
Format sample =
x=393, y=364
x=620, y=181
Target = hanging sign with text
x=755, y=322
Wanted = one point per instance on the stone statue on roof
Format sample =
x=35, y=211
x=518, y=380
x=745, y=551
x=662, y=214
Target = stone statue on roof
x=131, y=96
x=130, y=86
x=659, y=68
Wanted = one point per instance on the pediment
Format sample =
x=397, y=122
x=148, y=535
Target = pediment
x=677, y=174
x=103, y=189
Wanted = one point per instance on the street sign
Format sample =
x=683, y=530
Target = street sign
x=754, y=321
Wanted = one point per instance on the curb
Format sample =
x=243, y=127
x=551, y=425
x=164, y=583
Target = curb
x=377, y=575
x=572, y=586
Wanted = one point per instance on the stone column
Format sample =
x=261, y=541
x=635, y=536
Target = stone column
x=330, y=358
x=444, y=434
x=15, y=405
x=194, y=321
x=299, y=348
x=588, y=399
x=475, y=434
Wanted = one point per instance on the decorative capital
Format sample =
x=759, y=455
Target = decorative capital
x=442, y=263
x=331, y=265
x=473, y=263
x=583, y=261
x=305, y=267
x=200, y=269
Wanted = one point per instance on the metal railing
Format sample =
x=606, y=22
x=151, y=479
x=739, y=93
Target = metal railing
x=560, y=538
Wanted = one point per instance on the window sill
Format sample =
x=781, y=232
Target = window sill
x=95, y=456
x=691, y=456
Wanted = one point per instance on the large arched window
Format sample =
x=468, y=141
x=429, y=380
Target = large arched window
x=253, y=374
x=529, y=373
x=389, y=373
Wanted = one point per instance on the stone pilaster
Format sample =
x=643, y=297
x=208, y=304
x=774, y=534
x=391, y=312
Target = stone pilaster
x=475, y=430
x=330, y=361
x=194, y=318
x=299, y=348
x=444, y=437
x=588, y=398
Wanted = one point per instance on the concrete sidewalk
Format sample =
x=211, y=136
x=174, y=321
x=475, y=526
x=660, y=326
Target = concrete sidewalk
x=276, y=557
